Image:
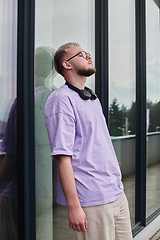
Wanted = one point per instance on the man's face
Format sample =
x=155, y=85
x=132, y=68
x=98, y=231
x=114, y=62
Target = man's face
x=82, y=66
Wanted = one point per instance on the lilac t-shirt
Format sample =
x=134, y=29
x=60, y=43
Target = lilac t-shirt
x=78, y=128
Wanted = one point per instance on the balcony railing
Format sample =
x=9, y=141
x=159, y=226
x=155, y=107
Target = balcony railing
x=125, y=150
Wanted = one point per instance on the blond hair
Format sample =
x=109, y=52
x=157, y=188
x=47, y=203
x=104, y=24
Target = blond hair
x=59, y=55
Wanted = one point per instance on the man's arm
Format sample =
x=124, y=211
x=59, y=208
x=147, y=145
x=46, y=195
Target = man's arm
x=77, y=216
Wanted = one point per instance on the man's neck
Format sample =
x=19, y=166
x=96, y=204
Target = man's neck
x=77, y=82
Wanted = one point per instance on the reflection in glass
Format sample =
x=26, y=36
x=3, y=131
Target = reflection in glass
x=8, y=120
x=44, y=74
x=8, y=179
x=57, y=22
x=122, y=109
x=153, y=106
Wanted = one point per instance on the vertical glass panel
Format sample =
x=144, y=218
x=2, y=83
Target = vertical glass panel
x=153, y=106
x=8, y=119
x=57, y=22
x=122, y=91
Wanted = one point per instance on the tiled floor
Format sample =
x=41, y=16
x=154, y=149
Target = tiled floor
x=60, y=225
x=129, y=189
x=153, y=188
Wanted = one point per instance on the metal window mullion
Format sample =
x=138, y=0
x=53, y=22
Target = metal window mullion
x=140, y=206
x=25, y=120
x=101, y=53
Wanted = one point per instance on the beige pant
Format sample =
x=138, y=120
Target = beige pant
x=108, y=222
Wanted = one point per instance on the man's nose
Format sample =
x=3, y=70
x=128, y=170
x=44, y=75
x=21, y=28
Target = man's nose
x=89, y=57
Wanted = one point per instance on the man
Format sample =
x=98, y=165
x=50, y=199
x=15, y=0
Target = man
x=87, y=165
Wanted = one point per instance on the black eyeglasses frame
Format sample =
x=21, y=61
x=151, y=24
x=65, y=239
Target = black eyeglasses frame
x=78, y=54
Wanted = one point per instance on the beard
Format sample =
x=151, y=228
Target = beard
x=86, y=72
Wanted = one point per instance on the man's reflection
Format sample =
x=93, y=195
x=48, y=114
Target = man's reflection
x=44, y=76
x=8, y=187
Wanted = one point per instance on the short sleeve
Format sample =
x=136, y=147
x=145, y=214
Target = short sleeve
x=60, y=122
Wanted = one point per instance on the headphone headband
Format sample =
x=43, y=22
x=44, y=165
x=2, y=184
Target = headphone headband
x=85, y=93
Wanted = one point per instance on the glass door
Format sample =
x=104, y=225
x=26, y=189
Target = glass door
x=122, y=105
x=57, y=22
x=153, y=106
x=8, y=120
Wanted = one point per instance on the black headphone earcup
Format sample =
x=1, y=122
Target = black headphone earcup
x=84, y=94
x=93, y=95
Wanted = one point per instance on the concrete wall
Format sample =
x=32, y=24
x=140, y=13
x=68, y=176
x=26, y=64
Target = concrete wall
x=125, y=149
x=153, y=148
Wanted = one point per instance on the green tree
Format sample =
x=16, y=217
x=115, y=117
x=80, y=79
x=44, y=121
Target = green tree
x=132, y=118
x=117, y=117
x=154, y=116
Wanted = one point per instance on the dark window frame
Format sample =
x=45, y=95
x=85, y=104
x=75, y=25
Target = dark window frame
x=140, y=180
x=102, y=90
x=102, y=54
x=25, y=120
x=25, y=104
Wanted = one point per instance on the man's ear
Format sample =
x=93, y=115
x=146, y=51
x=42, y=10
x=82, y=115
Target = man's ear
x=66, y=65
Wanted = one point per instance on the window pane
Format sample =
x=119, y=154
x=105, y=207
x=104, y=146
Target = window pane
x=153, y=106
x=57, y=22
x=8, y=119
x=122, y=91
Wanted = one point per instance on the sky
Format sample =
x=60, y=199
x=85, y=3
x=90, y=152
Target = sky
x=75, y=21
x=122, y=51
x=8, y=49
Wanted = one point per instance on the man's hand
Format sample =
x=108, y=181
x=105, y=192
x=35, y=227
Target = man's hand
x=77, y=219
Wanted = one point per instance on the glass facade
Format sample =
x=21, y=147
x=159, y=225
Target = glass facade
x=58, y=22
x=122, y=112
x=8, y=120
x=69, y=21
x=153, y=106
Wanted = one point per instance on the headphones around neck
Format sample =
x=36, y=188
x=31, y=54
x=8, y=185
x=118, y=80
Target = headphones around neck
x=85, y=94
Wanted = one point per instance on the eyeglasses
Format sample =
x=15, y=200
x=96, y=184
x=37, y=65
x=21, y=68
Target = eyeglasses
x=84, y=55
